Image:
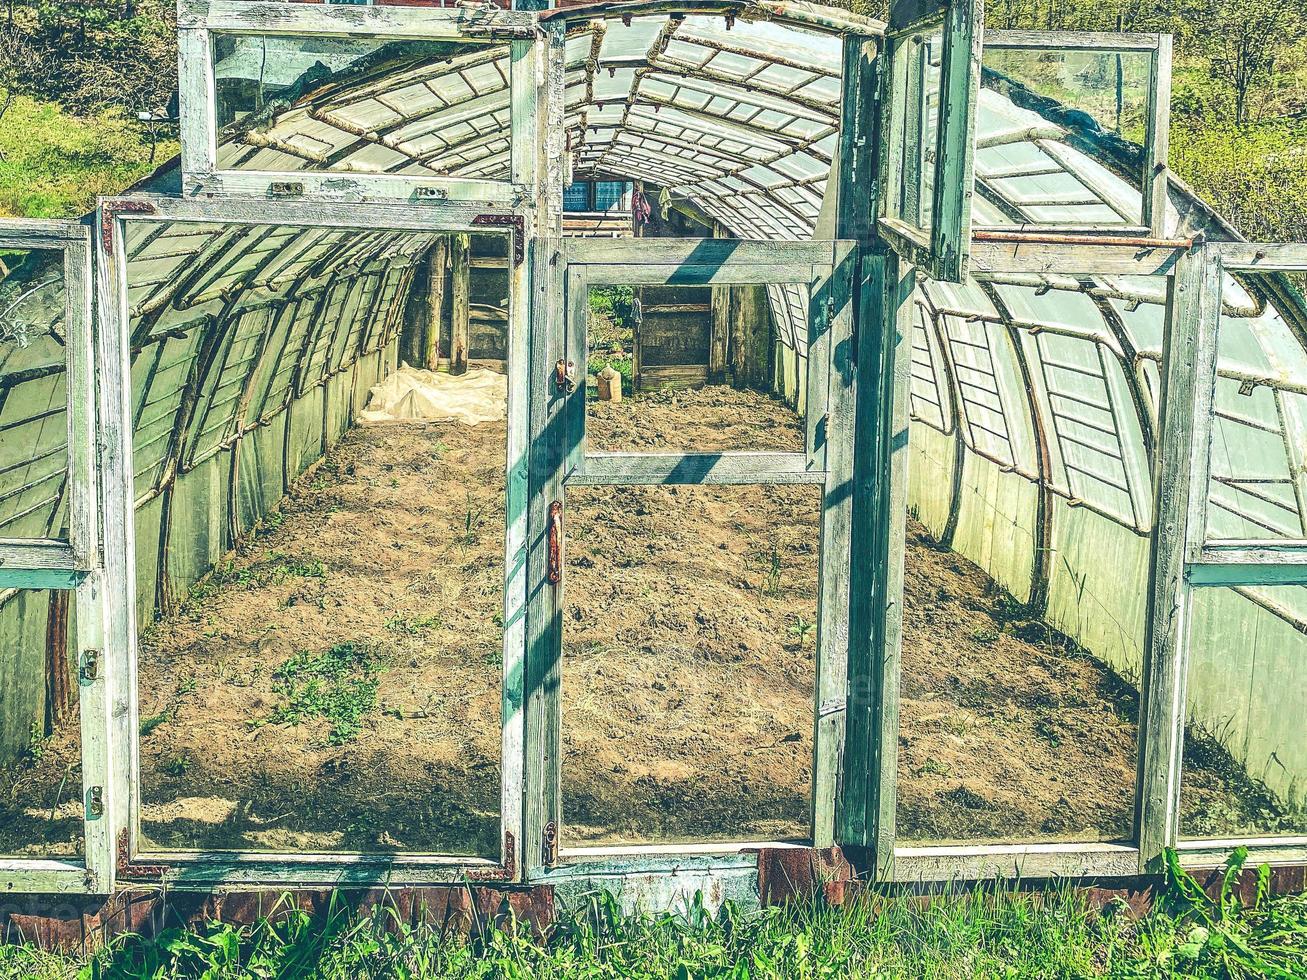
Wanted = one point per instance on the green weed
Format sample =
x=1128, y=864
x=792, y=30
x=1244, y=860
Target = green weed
x=338, y=686
x=412, y=625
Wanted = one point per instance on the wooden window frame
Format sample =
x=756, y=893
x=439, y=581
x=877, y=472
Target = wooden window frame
x=941, y=250
x=1187, y=561
x=74, y=565
x=1155, y=180
x=199, y=20
x=828, y=267
x=207, y=869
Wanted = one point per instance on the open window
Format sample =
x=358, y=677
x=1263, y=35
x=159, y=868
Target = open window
x=326, y=664
x=1235, y=624
x=285, y=100
x=55, y=792
x=1075, y=132
x=933, y=53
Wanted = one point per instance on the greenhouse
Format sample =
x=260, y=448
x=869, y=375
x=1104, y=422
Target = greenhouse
x=650, y=444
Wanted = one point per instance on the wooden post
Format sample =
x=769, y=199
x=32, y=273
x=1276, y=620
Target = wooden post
x=58, y=680
x=1193, y=311
x=460, y=333
x=435, y=311
x=721, y=318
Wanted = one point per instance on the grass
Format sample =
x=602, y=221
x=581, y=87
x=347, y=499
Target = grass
x=985, y=933
x=54, y=165
x=338, y=686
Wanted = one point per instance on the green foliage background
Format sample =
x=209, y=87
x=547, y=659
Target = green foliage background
x=74, y=76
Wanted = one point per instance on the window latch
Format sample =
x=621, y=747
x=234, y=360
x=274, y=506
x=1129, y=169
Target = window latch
x=555, y=542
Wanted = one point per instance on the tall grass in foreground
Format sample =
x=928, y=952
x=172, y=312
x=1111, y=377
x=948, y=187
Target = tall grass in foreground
x=986, y=933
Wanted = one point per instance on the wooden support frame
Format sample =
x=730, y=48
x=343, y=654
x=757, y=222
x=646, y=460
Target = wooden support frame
x=207, y=869
x=1183, y=560
x=73, y=565
x=200, y=20
x=827, y=267
x=1155, y=176
x=942, y=244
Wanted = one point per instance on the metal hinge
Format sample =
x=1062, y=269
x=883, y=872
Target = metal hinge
x=550, y=855
x=88, y=667
x=286, y=188
x=95, y=803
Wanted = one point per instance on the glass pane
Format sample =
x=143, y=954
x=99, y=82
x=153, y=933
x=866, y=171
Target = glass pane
x=359, y=104
x=1047, y=181
x=919, y=68
x=1259, y=430
x=33, y=395
x=1245, y=751
x=1022, y=647
x=697, y=368
x=688, y=663
x=41, y=809
x=321, y=566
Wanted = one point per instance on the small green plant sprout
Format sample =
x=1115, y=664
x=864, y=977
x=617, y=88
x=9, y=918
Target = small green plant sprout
x=985, y=634
x=152, y=723
x=474, y=520
x=412, y=625
x=801, y=629
x=338, y=686
x=177, y=766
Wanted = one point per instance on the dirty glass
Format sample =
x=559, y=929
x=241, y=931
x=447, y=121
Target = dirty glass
x=1259, y=428
x=359, y=104
x=1022, y=648
x=689, y=643
x=1043, y=178
x=41, y=806
x=321, y=550
x=33, y=395
x=1245, y=746
x=918, y=68
x=696, y=368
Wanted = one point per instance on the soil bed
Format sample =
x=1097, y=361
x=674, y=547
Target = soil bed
x=336, y=685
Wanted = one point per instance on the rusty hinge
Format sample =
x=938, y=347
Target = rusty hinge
x=95, y=803
x=550, y=849
x=555, y=542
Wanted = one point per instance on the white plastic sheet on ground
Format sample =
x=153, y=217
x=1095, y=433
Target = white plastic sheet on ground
x=412, y=395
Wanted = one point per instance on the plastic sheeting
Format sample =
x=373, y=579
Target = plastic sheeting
x=414, y=395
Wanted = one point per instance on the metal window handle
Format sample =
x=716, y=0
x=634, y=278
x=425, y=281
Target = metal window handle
x=555, y=542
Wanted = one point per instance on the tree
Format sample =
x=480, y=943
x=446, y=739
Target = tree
x=1246, y=42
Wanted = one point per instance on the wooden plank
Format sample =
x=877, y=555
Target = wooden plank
x=21, y=876
x=989, y=259
x=1074, y=40
x=117, y=504
x=38, y=554
x=435, y=310
x=345, y=187
x=1186, y=403
x=950, y=232
x=1157, y=179
x=450, y=216
x=1195, y=854
x=699, y=274
x=40, y=578
x=1249, y=571
x=39, y=232
x=261, y=16
x=1261, y=256
x=833, y=400
x=677, y=252
x=84, y=511
x=1014, y=861
x=693, y=469
x=460, y=312
x=99, y=778
x=197, y=102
